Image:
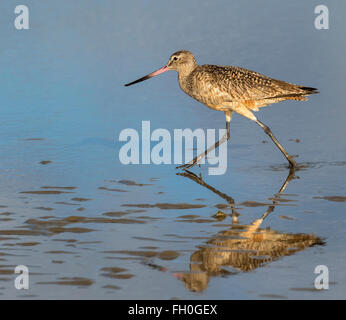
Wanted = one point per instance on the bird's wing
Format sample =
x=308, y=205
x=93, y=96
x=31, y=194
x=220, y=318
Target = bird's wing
x=219, y=84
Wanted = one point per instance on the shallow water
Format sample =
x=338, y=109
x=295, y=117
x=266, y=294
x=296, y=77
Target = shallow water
x=89, y=227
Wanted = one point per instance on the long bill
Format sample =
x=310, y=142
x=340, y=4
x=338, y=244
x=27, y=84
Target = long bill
x=150, y=75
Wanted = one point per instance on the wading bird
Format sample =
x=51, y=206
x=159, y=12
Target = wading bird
x=230, y=89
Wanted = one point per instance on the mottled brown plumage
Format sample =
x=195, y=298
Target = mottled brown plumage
x=231, y=89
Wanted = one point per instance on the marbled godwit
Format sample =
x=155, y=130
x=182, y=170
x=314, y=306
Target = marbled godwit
x=230, y=89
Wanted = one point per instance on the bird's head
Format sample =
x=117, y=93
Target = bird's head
x=180, y=61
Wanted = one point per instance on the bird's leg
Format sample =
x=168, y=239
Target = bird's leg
x=228, y=115
x=227, y=128
x=226, y=137
x=267, y=130
x=195, y=160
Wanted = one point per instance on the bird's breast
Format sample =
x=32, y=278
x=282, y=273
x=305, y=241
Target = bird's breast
x=191, y=85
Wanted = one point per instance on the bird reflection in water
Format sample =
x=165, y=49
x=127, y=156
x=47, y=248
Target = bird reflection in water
x=241, y=248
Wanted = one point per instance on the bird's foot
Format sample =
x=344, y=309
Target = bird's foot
x=187, y=165
x=292, y=164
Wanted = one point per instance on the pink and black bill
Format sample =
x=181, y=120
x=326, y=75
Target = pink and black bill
x=150, y=75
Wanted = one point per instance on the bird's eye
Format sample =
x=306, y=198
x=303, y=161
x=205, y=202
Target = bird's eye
x=175, y=58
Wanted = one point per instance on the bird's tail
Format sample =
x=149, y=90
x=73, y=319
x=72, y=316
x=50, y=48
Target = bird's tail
x=300, y=95
x=309, y=90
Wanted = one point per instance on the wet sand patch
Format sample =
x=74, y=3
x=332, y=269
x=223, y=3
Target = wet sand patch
x=135, y=211
x=57, y=225
x=124, y=258
x=333, y=198
x=116, y=273
x=73, y=219
x=113, y=287
x=44, y=208
x=24, y=244
x=8, y=238
x=148, y=218
x=54, y=187
x=45, y=162
x=168, y=255
x=186, y=237
x=47, y=217
x=7, y=213
x=45, y=192
x=112, y=189
x=66, y=203
x=196, y=220
x=33, y=139
x=166, y=206
x=133, y=183
x=73, y=281
x=146, y=254
x=6, y=271
x=153, y=239
x=113, y=269
x=115, y=213
x=287, y=218
x=80, y=199
x=65, y=240
x=252, y=204
x=189, y=216
x=20, y=232
x=72, y=230
x=59, y=252
x=164, y=255
x=281, y=199
x=222, y=206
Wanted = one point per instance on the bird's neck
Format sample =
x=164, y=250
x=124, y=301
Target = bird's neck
x=184, y=73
